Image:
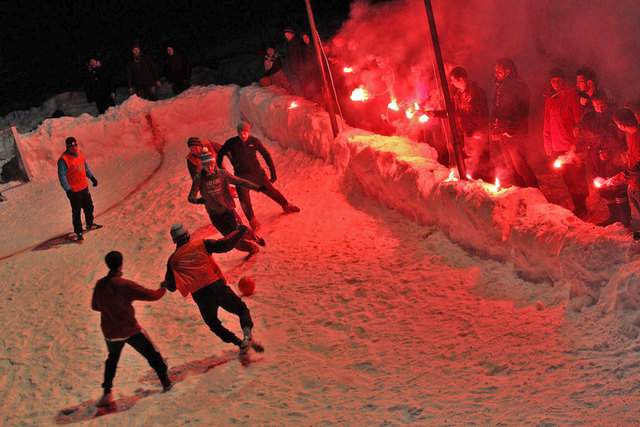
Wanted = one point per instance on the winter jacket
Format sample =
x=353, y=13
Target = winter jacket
x=272, y=64
x=73, y=172
x=142, y=72
x=112, y=297
x=562, y=113
x=510, y=112
x=177, y=69
x=472, y=112
x=214, y=190
x=295, y=56
x=633, y=160
x=243, y=156
x=193, y=162
x=97, y=83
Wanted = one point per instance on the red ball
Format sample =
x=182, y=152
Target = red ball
x=246, y=286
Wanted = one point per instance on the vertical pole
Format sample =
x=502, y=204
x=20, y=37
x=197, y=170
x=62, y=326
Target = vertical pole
x=327, y=94
x=457, y=146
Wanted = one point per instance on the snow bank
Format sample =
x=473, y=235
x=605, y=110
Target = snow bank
x=137, y=125
x=542, y=240
x=518, y=226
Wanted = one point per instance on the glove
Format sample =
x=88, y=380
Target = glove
x=242, y=228
x=262, y=188
x=200, y=201
x=69, y=193
x=273, y=177
x=163, y=284
x=94, y=181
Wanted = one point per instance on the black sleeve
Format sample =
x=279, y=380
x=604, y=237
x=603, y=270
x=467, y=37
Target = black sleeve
x=221, y=153
x=169, y=278
x=225, y=244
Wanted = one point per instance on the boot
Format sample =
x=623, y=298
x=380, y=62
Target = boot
x=614, y=215
x=624, y=211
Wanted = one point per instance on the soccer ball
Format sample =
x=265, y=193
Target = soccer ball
x=246, y=286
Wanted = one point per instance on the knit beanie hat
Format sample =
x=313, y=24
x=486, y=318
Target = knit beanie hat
x=206, y=157
x=244, y=126
x=178, y=232
x=194, y=140
x=289, y=30
x=625, y=117
x=71, y=141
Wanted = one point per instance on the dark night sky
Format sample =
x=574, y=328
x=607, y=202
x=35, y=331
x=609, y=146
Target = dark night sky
x=45, y=43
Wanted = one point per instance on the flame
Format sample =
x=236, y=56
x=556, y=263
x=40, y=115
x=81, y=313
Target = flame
x=409, y=113
x=359, y=94
x=416, y=106
x=293, y=104
x=348, y=69
x=469, y=176
x=393, y=105
x=497, y=184
x=452, y=176
x=558, y=163
x=597, y=182
x=423, y=118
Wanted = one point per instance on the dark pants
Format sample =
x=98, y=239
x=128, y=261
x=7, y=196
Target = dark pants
x=143, y=345
x=226, y=223
x=244, y=196
x=104, y=103
x=81, y=200
x=147, y=93
x=575, y=178
x=509, y=157
x=218, y=294
x=179, y=87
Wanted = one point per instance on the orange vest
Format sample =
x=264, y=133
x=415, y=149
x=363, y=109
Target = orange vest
x=76, y=172
x=193, y=267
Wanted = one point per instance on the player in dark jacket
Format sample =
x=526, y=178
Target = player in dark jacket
x=242, y=151
x=112, y=297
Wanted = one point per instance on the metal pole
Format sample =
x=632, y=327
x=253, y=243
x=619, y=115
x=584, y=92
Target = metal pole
x=327, y=94
x=457, y=146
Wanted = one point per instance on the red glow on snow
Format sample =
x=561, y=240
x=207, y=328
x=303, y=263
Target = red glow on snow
x=359, y=94
x=294, y=104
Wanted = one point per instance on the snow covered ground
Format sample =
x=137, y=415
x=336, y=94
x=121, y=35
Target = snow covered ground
x=394, y=297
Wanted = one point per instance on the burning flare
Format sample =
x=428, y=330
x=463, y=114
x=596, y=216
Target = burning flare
x=348, y=70
x=393, y=105
x=359, y=94
x=423, y=118
x=293, y=104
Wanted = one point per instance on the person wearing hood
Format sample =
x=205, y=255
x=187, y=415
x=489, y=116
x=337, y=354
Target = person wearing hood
x=562, y=114
x=509, y=124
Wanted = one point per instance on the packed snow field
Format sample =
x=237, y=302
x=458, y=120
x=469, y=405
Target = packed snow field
x=394, y=297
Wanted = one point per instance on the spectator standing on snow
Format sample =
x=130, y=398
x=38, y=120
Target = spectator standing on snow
x=562, y=113
x=627, y=122
x=73, y=172
x=472, y=117
x=273, y=71
x=603, y=138
x=213, y=184
x=295, y=59
x=142, y=75
x=177, y=70
x=112, y=297
x=509, y=123
x=98, y=84
x=191, y=269
x=242, y=151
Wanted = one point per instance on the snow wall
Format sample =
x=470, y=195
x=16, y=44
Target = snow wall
x=518, y=226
